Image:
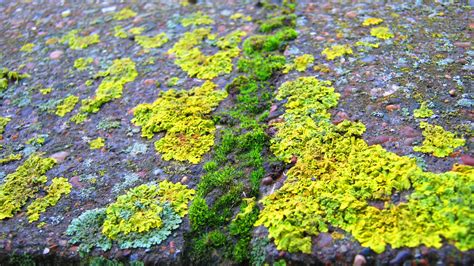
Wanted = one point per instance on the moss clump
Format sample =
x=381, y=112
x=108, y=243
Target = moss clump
x=336, y=51
x=3, y=123
x=372, y=21
x=119, y=32
x=241, y=227
x=183, y=115
x=121, y=72
x=260, y=66
x=97, y=143
x=10, y=158
x=301, y=63
x=278, y=22
x=381, y=33
x=58, y=187
x=268, y=43
x=27, y=48
x=191, y=60
x=7, y=77
x=66, y=105
x=196, y=19
x=20, y=186
x=152, y=42
x=438, y=142
x=82, y=63
x=337, y=174
x=423, y=111
x=77, y=42
x=125, y=13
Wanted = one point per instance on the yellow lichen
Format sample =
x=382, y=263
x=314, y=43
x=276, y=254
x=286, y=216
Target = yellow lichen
x=367, y=44
x=66, y=105
x=438, y=142
x=241, y=16
x=27, y=48
x=119, y=32
x=183, y=115
x=335, y=51
x=337, y=175
x=81, y=63
x=177, y=194
x=10, y=158
x=372, y=21
x=46, y=91
x=125, y=13
x=423, y=111
x=196, y=19
x=381, y=33
x=136, y=30
x=77, y=42
x=21, y=185
x=301, y=63
x=152, y=42
x=96, y=143
x=58, y=187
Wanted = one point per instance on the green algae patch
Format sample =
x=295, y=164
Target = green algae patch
x=66, y=105
x=7, y=77
x=27, y=48
x=3, y=123
x=184, y=117
x=372, y=21
x=381, y=33
x=191, y=59
x=125, y=13
x=97, y=143
x=336, y=51
x=10, y=158
x=82, y=63
x=59, y=186
x=145, y=216
x=77, y=42
x=301, y=63
x=423, y=111
x=121, y=72
x=337, y=174
x=152, y=42
x=196, y=19
x=438, y=142
x=22, y=185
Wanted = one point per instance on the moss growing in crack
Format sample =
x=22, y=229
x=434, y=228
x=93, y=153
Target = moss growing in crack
x=3, y=123
x=381, y=33
x=59, y=186
x=191, y=60
x=97, y=143
x=423, y=112
x=66, y=105
x=184, y=117
x=77, y=42
x=125, y=13
x=438, y=142
x=152, y=42
x=121, y=72
x=27, y=48
x=7, y=77
x=22, y=185
x=82, y=63
x=337, y=174
x=336, y=51
x=278, y=22
x=241, y=227
x=10, y=158
x=196, y=19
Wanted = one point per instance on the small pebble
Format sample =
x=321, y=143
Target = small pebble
x=452, y=92
x=359, y=260
x=267, y=181
x=56, y=54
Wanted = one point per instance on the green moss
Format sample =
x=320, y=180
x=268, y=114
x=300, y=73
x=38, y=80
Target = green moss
x=438, y=142
x=125, y=13
x=423, y=111
x=381, y=33
x=10, y=158
x=27, y=48
x=121, y=72
x=77, y=42
x=241, y=227
x=3, y=123
x=261, y=67
x=21, y=185
x=196, y=19
x=199, y=214
x=336, y=51
x=66, y=105
x=183, y=115
x=58, y=187
x=96, y=143
x=191, y=60
x=119, y=32
x=269, y=43
x=82, y=63
x=337, y=174
x=278, y=22
x=152, y=42
x=7, y=77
